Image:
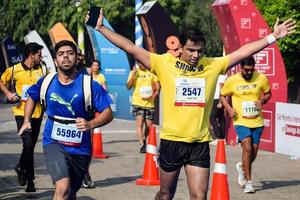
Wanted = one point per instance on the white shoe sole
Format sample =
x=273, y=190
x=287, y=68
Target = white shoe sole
x=241, y=178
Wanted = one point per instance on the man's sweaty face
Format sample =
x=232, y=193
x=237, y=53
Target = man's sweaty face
x=191, y=52
x=65, y=58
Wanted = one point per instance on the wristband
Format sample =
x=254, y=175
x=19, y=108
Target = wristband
x=263, y=101
x=271, y=39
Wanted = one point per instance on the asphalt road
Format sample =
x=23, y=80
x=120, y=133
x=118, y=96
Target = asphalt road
x=275, y=176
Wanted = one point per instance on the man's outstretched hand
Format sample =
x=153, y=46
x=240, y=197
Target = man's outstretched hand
x=99, y=21
x=286, y=28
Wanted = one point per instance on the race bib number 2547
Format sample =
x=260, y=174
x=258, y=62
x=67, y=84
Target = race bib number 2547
x=190, y=92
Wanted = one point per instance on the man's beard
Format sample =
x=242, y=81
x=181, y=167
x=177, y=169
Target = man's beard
x=247, y=77
x=67, y=71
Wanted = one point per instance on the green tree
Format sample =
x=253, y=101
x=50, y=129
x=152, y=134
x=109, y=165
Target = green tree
x=20, y=17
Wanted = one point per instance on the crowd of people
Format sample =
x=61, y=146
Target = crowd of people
x=188, y=85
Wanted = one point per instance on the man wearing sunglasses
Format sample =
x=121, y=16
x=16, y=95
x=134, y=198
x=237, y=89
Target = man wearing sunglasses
x=249, y=90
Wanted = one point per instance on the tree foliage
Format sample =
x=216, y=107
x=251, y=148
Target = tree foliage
x=289, y=46
x=19, y=17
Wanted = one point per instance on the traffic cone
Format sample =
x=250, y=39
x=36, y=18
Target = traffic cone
x=97, y=143
x=219, y=189
x=151, y=175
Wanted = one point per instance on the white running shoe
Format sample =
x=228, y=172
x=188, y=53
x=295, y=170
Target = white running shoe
x=241, y=178
x=248, y=187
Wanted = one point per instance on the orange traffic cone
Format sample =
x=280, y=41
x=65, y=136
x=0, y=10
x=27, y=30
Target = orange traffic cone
x=97, y=143
x=151, y=175
x=219, y=189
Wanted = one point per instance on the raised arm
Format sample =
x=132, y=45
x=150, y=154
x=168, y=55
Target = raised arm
x=280, y=31
x=140, y=54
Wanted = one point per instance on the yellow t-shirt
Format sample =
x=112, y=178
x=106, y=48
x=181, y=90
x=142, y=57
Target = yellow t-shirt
x=143, y=87
x=244, y=94
x=24, y=78
x=187, y=95
x=99, y=78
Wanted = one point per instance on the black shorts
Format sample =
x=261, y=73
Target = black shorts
x=61, y=164
x=173, y=155
x=146, y=113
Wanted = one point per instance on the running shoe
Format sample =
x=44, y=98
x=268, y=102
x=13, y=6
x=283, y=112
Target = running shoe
x=30, y=187
x=87, y=181
x=143, y=148
x=241, y=178
x=249, y=187
x=21, y=175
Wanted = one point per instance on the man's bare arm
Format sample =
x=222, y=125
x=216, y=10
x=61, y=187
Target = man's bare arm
x=29, y=109
x=140, y=54
x=280, y=30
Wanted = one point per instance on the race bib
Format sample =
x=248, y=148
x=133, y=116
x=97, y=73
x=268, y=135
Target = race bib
x=190, y=92
x=24, y=95
x=146, y=91
x=249, y=109
x=67, y=134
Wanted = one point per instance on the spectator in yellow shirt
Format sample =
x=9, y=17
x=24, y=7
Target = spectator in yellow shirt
x=97, y=76
x=23, y=75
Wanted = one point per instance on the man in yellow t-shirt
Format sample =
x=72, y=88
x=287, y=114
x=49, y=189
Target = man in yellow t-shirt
x=146, y=88
x=249, y=91
x=97, y=76
x=188, y=85
x=23, y=75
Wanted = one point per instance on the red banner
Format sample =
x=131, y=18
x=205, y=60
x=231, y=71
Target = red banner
x=240, y=22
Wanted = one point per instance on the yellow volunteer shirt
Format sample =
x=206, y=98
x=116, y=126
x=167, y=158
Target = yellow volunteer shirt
x=24, y=78
x=143, y=87
x=187, y=95
x=99, y=78
x=244, y=94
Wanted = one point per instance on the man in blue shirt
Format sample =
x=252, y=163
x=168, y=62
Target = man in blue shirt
x=67, y=133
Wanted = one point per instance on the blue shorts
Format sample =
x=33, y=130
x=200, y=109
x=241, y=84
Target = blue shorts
x=254, y=133
x=61, y=164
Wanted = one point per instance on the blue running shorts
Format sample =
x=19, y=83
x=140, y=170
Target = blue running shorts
x=254, y=133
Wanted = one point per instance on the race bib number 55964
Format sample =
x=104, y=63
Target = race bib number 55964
x=68, y=135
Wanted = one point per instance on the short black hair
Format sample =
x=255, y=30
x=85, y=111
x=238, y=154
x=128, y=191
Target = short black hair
x=192, y=34
x=65, y=43
x=32, y=48
x=97, y=61
x=249, y=61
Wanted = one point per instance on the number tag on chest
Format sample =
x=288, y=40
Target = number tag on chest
x=146, y=91
x=68, y=135
x=24, y=96
x=190, y=92
x=249, y=109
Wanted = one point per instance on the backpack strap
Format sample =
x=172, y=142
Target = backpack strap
x=44, y=88
x=88, y=95
x=44, y=68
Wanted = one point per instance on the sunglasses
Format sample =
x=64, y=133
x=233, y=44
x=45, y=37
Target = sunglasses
x=248, y=70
